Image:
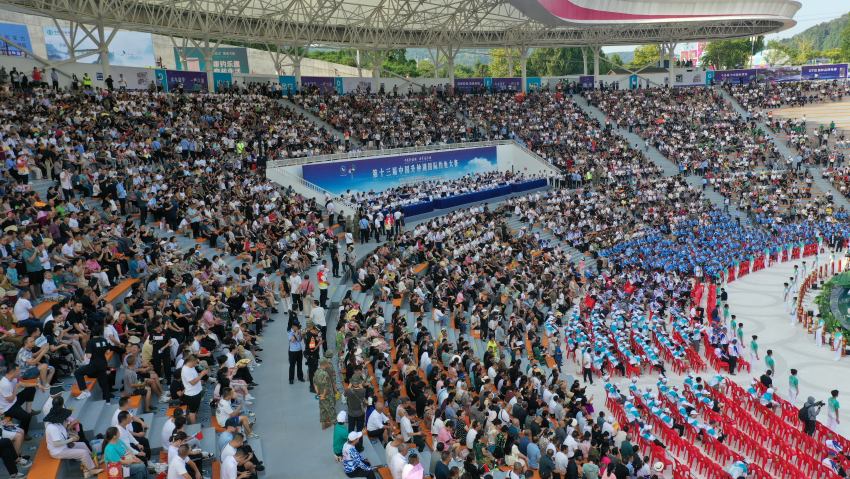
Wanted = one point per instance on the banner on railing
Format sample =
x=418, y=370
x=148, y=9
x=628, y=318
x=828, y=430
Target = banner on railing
x=795, y=252
x=731, y=274
x=758, y=264
x=711, y=302
x=381, y=173
x=810, y=249
x=743, y=269
x=781, y=74
x=824, y=72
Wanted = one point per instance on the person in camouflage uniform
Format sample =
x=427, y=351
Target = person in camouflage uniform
x=325, y=384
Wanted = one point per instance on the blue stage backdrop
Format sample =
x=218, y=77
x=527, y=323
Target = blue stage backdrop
x=379, y=174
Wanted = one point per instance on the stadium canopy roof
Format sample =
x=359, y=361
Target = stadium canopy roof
x=383, y=24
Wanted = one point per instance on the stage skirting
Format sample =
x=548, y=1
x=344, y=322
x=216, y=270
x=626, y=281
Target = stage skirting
x=469, y=198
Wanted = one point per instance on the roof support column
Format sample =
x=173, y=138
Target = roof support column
x=435, y=59
x=450, y=52
x=208, y=53
x=667, y=50
x=377, y=63
x=584, y=59
x=102, y=44
x=523, y=62
x=596, y=50
x=359, y=66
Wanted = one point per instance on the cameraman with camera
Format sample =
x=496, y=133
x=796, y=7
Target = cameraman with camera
x=809, y=415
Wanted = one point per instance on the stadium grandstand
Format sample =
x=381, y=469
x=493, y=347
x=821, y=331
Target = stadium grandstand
x=298, y=269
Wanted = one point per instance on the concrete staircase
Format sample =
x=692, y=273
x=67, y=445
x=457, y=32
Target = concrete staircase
x=315, y=119
x=826, y=186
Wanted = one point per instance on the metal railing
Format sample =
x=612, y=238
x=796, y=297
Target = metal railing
x=392, y=151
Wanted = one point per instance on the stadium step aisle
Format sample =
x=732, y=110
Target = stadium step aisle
x=827, y=187
x=669, y=168
x=315, y=119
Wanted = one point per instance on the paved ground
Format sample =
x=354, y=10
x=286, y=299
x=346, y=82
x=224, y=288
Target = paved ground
x=823, y=113
x=757, y=301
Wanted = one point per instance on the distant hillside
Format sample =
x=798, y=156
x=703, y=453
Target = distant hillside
x=824, y=36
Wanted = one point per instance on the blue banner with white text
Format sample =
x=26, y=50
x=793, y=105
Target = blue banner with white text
x=378, y=174
x=287, y=84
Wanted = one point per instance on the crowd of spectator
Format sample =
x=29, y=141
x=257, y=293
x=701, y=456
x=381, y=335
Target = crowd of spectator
x=192, y=165
x=553, y=126
x=693, y=127
x=755, y=96
x=133, y=172
x=381, y=121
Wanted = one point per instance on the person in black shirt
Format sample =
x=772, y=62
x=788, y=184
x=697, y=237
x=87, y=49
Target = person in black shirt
x=161, y=359
x=95, y=367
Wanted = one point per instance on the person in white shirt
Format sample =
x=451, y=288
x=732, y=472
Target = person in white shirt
x=177, y=464
x=398, y=462
x=168, y=427
x=193, y=388
x=23, y=307
x=230, y=466
x=124, y=419
x=225, y=411
x=376, y=423
x=62, y=444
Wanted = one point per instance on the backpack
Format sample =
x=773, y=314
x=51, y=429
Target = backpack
x=803, y=413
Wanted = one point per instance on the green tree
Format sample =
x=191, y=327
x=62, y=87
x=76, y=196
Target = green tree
x=481, y=69
x=464, y=71
x=729, y=54
x=554, y=62
x=616, y=60
x=425, y=68
x=779, y=53
x=805, y=52
x=499, y=62
x=645, y=55
x=396, y=61
x=844, y=43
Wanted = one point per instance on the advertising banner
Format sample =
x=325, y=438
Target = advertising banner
x=507, y=84
x=353, y=84
x=533, y=84
x=469, y=84
x=688, y=77
x=391, y=171
x=136, y=78
x=128, y=49
x=778, y=74
x=709, y=77
x=488, y=83
x=340, y=89
x=16, y=33
x=287, y=84
x=161, y=79
x=324, y=84
x=222, y=80
x=190, y=81
x=735, y=76
x=633, y=82
x=586, y=81
x=225, y=59
x=824, y=72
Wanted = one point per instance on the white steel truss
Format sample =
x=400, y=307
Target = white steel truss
x=371, y=24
